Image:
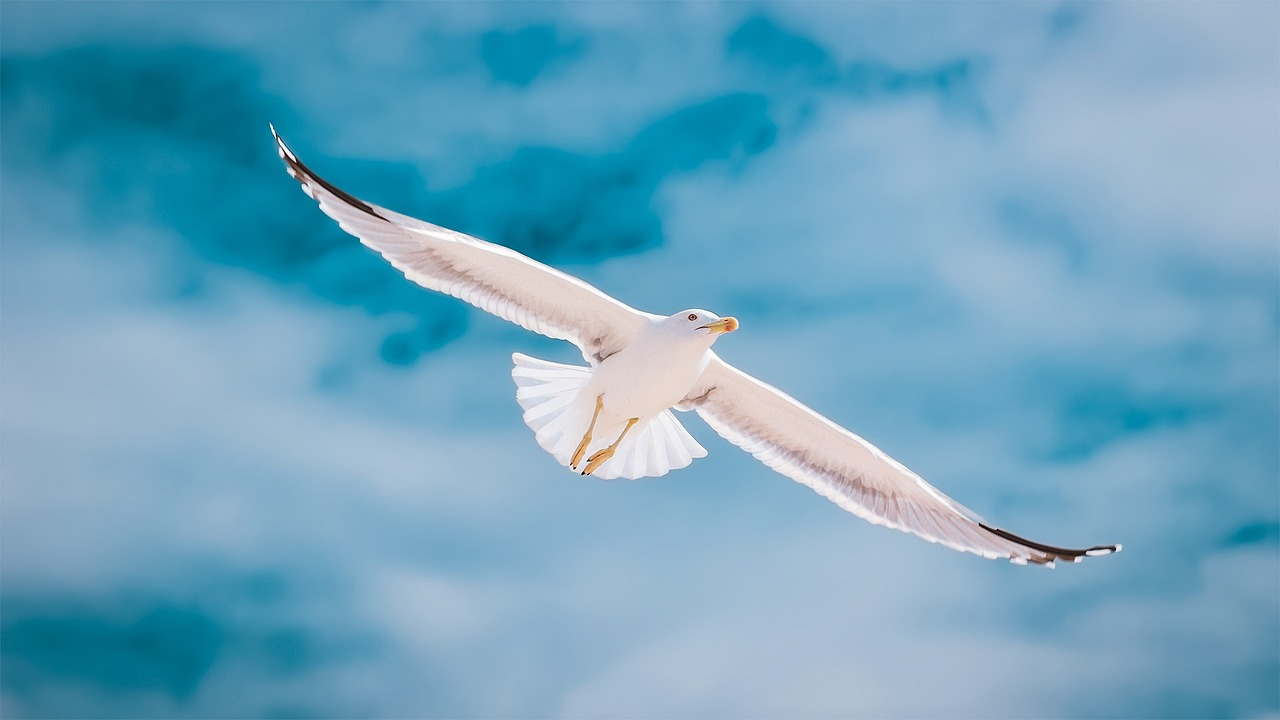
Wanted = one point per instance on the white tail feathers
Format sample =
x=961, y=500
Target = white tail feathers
x=652, y=449
x=549, y=394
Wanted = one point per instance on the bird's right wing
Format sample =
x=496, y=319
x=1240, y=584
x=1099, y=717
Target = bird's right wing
x=851, y=472
x=491, y=277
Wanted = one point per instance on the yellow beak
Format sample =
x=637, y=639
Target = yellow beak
x=723, y=325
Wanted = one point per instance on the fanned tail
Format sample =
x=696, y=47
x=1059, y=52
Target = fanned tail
x=548, y=392
x=652, y=450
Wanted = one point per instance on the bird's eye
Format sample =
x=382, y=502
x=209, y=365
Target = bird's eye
x=693, y=317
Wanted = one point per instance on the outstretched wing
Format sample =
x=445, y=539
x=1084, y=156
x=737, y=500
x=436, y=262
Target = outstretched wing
x=491, y=277
x=851, y=472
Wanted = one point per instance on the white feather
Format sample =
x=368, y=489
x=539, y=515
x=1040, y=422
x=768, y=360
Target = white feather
x=851, y=472
x=558, y=399
x=558, y=413
x=491, y=277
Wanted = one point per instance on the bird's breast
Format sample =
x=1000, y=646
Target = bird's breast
x=647, y=378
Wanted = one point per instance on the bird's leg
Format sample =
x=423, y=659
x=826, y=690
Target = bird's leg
x=601, y=456
x=586, y=437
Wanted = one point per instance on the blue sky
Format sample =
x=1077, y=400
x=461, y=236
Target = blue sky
x=248, y=470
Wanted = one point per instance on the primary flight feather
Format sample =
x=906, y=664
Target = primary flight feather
x=613, y=418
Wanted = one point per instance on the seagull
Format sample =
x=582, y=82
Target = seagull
x=613, y=419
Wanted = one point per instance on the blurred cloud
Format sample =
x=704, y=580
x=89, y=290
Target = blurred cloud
x=250, y=470
x=518, y=57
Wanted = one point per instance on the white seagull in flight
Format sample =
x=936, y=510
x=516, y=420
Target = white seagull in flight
x=613, y=418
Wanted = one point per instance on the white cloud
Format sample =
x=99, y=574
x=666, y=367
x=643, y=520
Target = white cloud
x=143, y=435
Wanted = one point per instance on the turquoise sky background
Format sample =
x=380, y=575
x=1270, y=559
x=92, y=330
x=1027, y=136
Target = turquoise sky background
x=1031, y=250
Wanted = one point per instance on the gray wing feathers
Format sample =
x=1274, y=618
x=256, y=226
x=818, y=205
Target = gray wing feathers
x=850, y=472
x=495, y=279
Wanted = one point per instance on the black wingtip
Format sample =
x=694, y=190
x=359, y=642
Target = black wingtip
x=280, y=146
x=306, y=178
x=1050, y=553
x=1100, y=550
x=290, y=160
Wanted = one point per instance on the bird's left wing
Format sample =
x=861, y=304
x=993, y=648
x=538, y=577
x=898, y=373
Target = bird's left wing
x=851, y=472
x=491, y=277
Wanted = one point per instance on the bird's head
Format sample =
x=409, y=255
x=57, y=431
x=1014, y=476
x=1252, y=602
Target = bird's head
x=700, y=323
